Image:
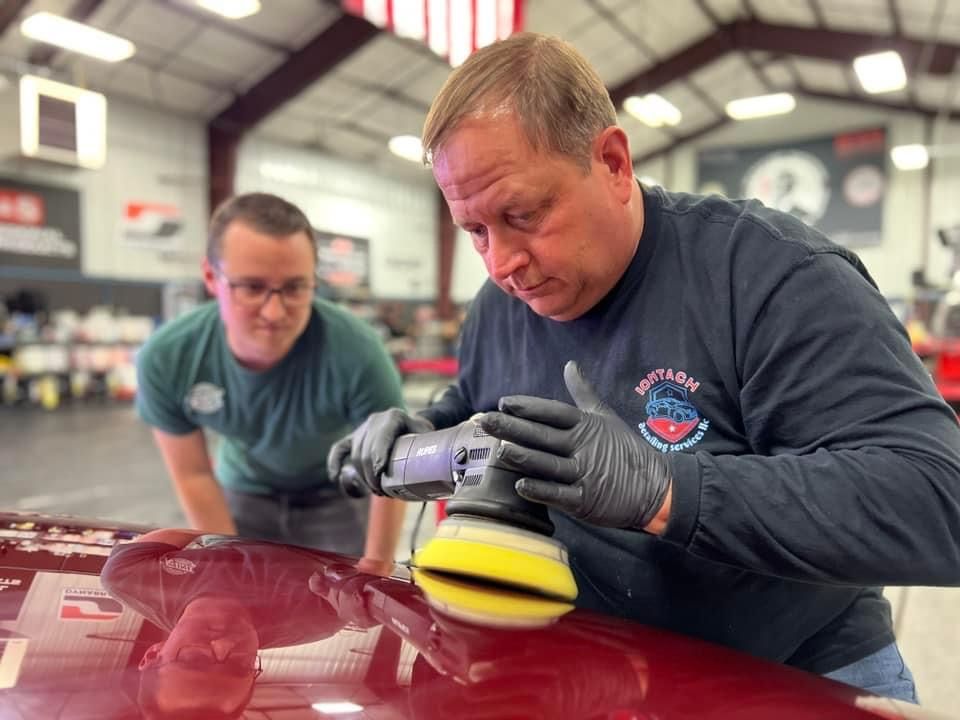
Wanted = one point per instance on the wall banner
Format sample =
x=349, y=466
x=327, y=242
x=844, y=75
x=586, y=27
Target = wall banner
x=343, y=264
x=836, y=183
x=39, y=225
x=152, y=225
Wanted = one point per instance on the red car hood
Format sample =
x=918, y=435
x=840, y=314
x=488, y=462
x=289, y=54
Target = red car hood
x=397, y=647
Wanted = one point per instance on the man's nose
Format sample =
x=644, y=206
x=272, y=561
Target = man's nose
x=505, y=256
x=273, y=308
x=222, y=647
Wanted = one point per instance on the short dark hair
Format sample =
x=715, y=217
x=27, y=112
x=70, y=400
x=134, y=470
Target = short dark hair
x=265, y=213
x=150, y=708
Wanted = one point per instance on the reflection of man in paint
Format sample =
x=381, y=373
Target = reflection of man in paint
x=485, y=652
x=221, y=599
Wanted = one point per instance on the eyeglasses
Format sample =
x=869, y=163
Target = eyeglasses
x=256, y=293
x=202, y=659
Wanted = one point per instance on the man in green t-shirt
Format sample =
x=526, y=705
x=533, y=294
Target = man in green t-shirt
x=279, y=375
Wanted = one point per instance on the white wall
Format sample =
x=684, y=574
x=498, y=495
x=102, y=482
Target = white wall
x=151, y=157
x=397, y=215
x=945, y=203
x=902, y=248
x=469, y=271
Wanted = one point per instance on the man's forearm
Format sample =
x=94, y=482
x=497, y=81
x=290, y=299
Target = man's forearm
x=449, y=410
x=204, y=505
x=170, y=536
x=383, y=531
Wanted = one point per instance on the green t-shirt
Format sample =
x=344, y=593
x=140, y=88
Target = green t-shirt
x=276, y=426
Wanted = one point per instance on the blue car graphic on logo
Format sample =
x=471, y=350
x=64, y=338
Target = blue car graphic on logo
x=669, y=400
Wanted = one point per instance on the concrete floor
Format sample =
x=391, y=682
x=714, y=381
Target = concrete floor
x=100, y=462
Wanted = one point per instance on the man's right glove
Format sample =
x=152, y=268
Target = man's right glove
x=368, y=447
x=584, y=460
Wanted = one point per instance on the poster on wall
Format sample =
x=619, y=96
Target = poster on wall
x=14, y=584
x=343, y=264
x=39, y=225
x=836, y=183
x=152, y=225
x=85, y=603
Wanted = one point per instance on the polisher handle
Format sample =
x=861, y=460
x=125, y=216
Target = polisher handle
x=351, y=483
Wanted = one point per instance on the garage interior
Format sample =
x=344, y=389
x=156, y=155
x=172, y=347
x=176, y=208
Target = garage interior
x=305, y=98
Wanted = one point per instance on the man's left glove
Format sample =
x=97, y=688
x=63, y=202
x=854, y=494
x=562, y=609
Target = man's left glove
x=583, y=460
x=342, y=586
x=369, y=446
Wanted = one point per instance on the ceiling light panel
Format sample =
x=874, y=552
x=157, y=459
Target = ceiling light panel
x=231, y=9
x=880, y=72
x=761, y=106
x=77, y=37
x=910, y=157
x=653, y=110
x=407, y=147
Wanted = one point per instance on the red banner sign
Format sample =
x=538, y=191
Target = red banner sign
x=21, y=208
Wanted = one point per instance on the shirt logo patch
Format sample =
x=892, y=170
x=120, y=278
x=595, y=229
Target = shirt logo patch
x=205, y=398
x=177, y=566
x=673, y=421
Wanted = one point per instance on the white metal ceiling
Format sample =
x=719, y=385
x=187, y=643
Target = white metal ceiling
x=192, y=62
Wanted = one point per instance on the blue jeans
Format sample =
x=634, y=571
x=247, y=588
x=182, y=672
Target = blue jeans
x=883, y=673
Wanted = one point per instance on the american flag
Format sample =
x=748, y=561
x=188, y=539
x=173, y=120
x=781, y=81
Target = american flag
x=453, y=29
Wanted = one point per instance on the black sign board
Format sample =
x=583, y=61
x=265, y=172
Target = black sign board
x=39, y=226
x=837, y=183
x=343, y=263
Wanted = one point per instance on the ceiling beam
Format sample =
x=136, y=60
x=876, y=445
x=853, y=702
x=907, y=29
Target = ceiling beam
x=9, y=12
x=894, y=13
x=679, y=66
x=682, y=140
x=817, y=11
x=303, y=68
x=746, y=35
x=81, y=11
x=841, y=46
x=231, y=28
x=875, y=102
x=885, y=105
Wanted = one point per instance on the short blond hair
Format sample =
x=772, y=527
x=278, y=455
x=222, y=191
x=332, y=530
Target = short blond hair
x=560, y=101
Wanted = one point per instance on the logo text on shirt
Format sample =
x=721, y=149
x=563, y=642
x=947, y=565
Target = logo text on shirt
x=205, y=398
x=673, y=421
x=173, y=565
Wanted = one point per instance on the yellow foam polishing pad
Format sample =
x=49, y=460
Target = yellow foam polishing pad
x=499, y=553
x=487, y=605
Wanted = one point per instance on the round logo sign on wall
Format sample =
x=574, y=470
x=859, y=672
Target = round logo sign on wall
x=793, y=181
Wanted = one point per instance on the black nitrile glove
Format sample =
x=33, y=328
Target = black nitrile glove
x=368, y=447
x=583, y=460
x=342, y=587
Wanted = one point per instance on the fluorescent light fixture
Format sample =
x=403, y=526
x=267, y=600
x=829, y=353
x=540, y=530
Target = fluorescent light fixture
x=336, y=708
x=233, y=9
x=407, y=146
x=91, y=117
x=880, y=72
x=910, y=157
x=761, y=106
x=55, y=30
x=653, y=110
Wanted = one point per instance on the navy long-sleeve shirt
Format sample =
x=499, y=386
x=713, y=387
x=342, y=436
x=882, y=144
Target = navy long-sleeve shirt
x=812, y=457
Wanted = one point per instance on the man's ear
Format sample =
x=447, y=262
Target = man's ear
x=209, y=277
x=151, y=657
x=611, y=149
